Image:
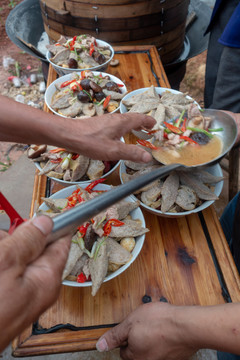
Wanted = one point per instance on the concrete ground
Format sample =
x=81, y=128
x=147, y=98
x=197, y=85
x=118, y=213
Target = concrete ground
x=17, y=185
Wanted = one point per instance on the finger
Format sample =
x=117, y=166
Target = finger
x=125, y=353
x=129, y=122
x=113, y=338
x=43, y=277
x=3, y=234
x=133, y=153
x=26, y=243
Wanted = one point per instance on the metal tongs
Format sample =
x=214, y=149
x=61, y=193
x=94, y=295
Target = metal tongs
x=68, y=221
x=15, y=218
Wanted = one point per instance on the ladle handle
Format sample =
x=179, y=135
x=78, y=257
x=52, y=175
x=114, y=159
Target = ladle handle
x=68, y=221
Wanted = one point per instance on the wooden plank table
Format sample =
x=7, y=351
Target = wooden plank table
x=184, y=261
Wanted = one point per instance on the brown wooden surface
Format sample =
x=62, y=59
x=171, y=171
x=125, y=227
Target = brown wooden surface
x=186, y=260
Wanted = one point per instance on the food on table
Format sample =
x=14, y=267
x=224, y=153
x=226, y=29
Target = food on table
x=101, y=245
x=80, y=52
x=181, y=190
x=86, y=95
x=161, y=107
x=61, y=164
x=186, y=140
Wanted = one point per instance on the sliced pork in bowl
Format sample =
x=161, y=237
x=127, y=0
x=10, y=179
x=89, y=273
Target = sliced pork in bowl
x=180, y=193
x=104, y=247
x=69, y=168
x=85, y=94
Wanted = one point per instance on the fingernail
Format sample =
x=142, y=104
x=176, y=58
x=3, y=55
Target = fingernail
x=146, y=157
x=102, y=345
x=43, y=223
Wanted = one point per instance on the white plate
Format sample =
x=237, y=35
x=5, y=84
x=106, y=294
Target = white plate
x=52, y=89
x=136, y=214
x=63, y=71
x=214, y=170
x=160, y=90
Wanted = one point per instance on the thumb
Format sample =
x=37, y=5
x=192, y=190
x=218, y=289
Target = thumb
x=113, y=338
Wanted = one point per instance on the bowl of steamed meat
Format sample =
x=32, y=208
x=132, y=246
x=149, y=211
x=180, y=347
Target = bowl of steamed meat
x=104, y=247
x=85, y=94
x=180, y=193
x=82, y=52
x=162, y=104
x=68, y=168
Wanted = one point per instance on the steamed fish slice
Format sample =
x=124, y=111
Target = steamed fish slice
x=73, y=110
x=74, y=254
x=114, y=95
x=139, y=166
x=98, y=266
x=202, y=191
x=169, y=191
x=127, y=177
x=145, y=106
x=131, y=228
x=151, y=195
x=125, y=207
x=78, y=267
x=186, y=198
x=206, y=177
x=159, y=116
x=79, y=167
x=116, y=253
x=49, y=166
x=148, y=94
x=55, y=204
x=95, y=169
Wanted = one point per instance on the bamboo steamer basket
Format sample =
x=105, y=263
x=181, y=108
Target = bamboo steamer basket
x=121, y=22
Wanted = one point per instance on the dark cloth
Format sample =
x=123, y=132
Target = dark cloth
x=230, y=35
x=230, y=222
x=216, y=67
x=226, y=356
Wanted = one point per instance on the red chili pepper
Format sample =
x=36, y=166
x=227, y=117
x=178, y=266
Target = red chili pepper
x=76, y=86
x=91, y=49
x=183, y=128
x=108, y=226
x=56, y=161
x=81, y=278
x=173, y=128
x=75, y=156
x=93, y=184
x=120, y=85
x=83, y=229
x=191, y=141
x=165, y=135
x=56, y=150
x=106, y=101
x=80, y=199
x=147, y=144
x=83, y=75
x=66, y=83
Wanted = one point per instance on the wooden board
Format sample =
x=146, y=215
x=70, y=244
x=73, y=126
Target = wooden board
x=184, y=261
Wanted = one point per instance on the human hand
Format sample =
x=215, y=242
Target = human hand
x=150, y=332
x=30, y=275
x=99, y=137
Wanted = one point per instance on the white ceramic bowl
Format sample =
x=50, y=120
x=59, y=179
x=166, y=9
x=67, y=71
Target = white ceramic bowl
x=52, y=89
x=214, y=170
x=63, y=71
x=136, y=214
x=80, y=182
x=160, y=90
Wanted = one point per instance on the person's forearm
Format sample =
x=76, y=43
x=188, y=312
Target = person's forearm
x=211, y=327
x=24, y=124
